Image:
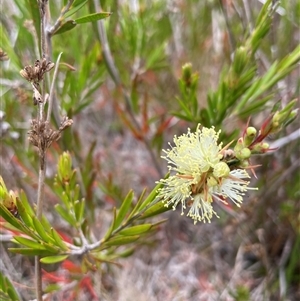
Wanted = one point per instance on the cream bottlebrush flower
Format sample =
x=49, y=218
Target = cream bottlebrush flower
x=233, y=186
x=194, y=153
x=200, y=175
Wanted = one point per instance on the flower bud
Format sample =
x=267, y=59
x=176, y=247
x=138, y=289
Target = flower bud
x=3, y=189
x=244, y=164
x=239, y=145
x=187, y=72
x=189, y=79
x=260, y=148
x=283, y=117
x=8, y=198
x=245, y=153
x=65, y=167
x=221, y=170
x=250, y=135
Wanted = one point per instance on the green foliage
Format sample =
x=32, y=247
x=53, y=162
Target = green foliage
x=7, y=290
x=70, y=24
x=66, y=26
x=72, y=208
x=42, y=239
x=75, y=6
x=241, y=91
x=54, y=259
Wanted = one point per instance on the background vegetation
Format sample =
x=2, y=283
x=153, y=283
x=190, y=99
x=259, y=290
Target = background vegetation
x=123, y=84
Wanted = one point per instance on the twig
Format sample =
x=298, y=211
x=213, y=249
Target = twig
x=60, y=18
x=42, y=167
x=38, y=278
x=50, y=31
x=86, y=247
x=40, y=118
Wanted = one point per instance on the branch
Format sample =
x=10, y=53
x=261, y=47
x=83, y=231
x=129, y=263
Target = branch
x=42, y=168
x=60, y=18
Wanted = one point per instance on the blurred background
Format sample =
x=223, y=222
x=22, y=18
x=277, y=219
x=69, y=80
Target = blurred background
x=121, y=89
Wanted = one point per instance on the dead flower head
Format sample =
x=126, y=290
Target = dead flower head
x=42, y=136
x=35, y=73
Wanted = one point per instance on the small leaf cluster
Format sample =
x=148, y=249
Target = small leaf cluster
x=71, y=208
x=35, y=237
x=7, y=290
x=126, y=227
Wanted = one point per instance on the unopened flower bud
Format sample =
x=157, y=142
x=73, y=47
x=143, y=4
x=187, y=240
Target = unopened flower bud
x=65, y=167
x=221, y=170
x=8, y=198
x=294, y=113
x=239, y=145
x=265, y=146
x=244, y=164
x=260, y=148
x=189, y=78
x=243, y=154
x=276, y=120
x=283, y=117
x=250, y=135
x=187, y=72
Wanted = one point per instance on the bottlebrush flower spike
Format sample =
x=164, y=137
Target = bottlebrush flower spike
x=202, y=175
